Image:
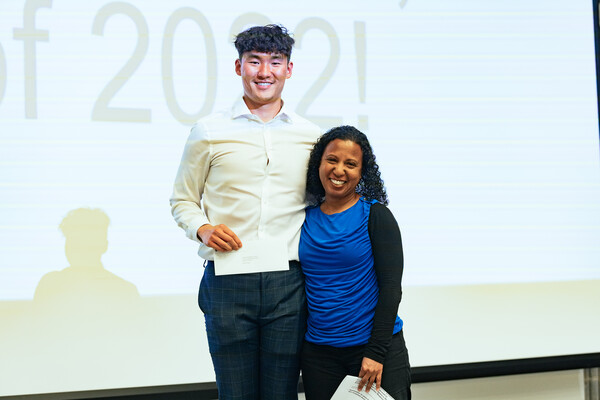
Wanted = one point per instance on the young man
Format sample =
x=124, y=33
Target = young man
x=242, y=179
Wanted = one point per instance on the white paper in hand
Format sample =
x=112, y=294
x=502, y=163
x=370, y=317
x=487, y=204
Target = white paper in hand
x=263, y=255
x=348, y=390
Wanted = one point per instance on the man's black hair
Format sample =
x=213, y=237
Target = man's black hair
x=265, y=39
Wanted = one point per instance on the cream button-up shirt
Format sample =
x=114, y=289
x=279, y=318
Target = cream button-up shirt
x=247, y=174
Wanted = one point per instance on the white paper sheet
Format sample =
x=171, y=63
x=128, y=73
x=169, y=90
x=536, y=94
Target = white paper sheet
x=348, y=390
x=262, y=255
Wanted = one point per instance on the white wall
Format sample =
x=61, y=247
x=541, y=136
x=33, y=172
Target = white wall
x=561, y=385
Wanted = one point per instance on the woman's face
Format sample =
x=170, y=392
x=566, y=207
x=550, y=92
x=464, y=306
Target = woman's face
x=341, y=169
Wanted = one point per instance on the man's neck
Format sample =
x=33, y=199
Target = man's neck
x=266, y=112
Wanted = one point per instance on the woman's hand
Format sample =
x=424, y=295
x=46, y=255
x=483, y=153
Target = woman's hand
x=370, y=371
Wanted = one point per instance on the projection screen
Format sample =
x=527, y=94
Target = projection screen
x=483, y=116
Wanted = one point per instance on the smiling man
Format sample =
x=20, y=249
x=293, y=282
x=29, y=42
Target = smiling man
x=241, y=180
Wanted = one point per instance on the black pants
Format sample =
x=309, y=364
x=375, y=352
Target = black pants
x=324, y=368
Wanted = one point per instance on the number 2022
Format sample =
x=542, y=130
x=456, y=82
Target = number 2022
x=103, y=112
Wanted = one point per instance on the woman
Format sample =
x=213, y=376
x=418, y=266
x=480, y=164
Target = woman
x=351, y=256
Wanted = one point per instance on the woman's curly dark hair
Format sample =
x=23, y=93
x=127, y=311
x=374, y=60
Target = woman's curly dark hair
x=370, y=185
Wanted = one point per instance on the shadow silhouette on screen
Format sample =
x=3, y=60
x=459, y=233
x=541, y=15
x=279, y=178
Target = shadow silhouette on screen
x=88, y=328
x=85, y=285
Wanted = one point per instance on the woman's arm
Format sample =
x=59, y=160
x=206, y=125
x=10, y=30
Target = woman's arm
x=386, y=243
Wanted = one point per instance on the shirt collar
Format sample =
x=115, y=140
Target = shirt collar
x=240, y=110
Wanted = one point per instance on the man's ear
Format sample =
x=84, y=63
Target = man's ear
x=290, y=66
x=238, y=67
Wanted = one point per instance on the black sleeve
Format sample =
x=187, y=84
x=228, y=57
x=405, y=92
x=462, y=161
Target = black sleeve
x=389, y=263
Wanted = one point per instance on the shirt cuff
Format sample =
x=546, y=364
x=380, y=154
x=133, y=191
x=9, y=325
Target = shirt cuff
x=192, y=231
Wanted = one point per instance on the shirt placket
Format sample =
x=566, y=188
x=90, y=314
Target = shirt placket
x=266, y=183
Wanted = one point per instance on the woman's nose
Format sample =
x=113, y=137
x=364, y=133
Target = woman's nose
x=338, y=169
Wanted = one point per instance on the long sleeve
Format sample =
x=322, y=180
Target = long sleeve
x=189, y=183
x=386, y=243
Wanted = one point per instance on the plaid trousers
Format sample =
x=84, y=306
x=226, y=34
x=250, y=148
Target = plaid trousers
x=255, y=325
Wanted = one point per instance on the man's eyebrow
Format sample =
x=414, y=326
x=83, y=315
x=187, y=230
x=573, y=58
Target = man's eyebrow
x=273, y=56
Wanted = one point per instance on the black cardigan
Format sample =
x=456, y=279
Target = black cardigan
x=386, y=243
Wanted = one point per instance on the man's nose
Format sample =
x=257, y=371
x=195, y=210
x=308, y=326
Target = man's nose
x=263, y=70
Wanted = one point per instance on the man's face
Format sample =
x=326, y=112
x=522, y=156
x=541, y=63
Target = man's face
x=263, y=76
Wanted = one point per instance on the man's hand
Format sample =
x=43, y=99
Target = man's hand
x=219, y=237
x=370, y=371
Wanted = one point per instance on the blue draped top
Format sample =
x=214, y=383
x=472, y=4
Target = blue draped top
x=341, y=281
